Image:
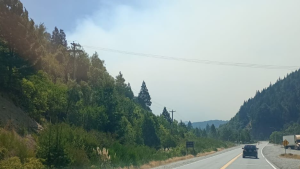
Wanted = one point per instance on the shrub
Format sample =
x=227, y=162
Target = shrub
x=15, y=163
x=33, y=163
x=62, y=145
x=13, y=145
x=11, y=163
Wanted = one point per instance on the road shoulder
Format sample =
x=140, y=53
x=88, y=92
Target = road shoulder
x=272, y=153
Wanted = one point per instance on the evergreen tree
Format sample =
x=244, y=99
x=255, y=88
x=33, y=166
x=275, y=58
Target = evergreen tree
x=207, y=128
x=198, y=132
x=204, y=133
x=82, y=66
x=190, y=126
x=58, y=38
x=181, y=124
x=213, y=131
x=120, y=84
x=149, y=133
x=128, y=92
x=123, y=88
x=166, y=115
x=144, y=97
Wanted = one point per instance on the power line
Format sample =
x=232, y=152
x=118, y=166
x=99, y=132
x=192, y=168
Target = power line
x=158, y=103
x=211, y=62
x=167, y=108
x=172, y=114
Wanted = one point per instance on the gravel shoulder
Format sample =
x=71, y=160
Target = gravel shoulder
x=272, y=153
x=184, y=162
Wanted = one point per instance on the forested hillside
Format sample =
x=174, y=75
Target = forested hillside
x=271, y=109
x=202, y=124
x=90, y=118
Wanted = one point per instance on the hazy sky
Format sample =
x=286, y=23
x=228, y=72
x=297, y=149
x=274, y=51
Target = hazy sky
x=261, y=32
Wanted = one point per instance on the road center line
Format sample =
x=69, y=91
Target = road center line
x=231, y=161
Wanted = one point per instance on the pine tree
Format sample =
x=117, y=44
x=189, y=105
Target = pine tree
x=166, y=115
x=120, y=84
x=204, y=133
x=198, y=132
x=123, y=88
x=128, y=92
x=213, y=131
x=190, y=126
x=144, y=97
x=149, y=133
x=181, y=124
x=58, y=38
x=207, y=128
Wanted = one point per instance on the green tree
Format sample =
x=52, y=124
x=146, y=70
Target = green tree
x=120, y=84
x=58, y=38
x=204, y=133
x=207, y=128
x=149, y=133
x=190, y=126
x=213, y=131
x=128, y=91
x=144, y=97
x=19, y=38
x=82, y=65
x=166, y=115
x=123, y=88
x=52, y=147
x=198, y=132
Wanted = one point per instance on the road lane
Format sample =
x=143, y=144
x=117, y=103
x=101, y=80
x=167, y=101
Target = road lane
x=214, y=162
x=252, y=163
x=231, y=160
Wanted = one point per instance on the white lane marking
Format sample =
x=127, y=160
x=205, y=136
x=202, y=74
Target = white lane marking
x=266, y=158
x=205, y=158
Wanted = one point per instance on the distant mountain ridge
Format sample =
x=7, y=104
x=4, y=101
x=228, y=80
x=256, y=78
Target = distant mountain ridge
x=203, y=124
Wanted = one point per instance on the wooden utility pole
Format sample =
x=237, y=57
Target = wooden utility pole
x=74, y=51
x=172, y=114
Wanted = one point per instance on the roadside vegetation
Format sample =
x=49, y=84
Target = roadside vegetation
x=289, y=129
x=290, y=155
x=90, y=119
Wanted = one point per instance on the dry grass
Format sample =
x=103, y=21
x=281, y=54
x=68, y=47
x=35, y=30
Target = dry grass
x=290, y=155
x=168, y=161
x=153, y=164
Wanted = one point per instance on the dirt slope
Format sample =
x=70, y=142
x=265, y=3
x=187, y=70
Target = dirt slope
x=16, y=117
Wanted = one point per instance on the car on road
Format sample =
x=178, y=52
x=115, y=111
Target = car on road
x=250, y=151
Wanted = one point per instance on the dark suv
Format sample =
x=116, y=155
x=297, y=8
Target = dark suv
x=250, y=150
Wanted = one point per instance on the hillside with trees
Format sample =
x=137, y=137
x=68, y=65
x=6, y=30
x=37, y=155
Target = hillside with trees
x=202, y=124
x=274, y=108
x=90, y=119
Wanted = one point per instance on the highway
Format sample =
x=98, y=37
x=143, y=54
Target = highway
x=232, y=160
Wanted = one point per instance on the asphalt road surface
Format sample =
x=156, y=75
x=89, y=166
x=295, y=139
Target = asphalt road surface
x=232, y=160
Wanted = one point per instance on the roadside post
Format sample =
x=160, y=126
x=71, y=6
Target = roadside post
x=285, y=143
x=189, y=144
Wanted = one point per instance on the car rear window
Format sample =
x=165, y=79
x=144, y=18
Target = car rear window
x=250, y=147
